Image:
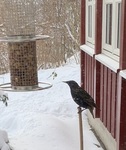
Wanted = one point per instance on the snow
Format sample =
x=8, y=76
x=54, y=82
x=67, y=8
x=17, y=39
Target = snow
x=48, y=119
x=4, y=140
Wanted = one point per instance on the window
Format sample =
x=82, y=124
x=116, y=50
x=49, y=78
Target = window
x=111, y=28
x=90, y=23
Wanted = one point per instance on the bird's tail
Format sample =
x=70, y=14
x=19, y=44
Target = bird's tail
x=96, y=106
x=91, y=111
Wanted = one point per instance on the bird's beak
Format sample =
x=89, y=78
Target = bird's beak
x=64, y=81
x=67, y=82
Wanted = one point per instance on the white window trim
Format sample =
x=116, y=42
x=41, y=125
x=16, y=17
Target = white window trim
x=88, y=50
x=90, y=41
x=105, y=46
x=110, y=50
x=108, y=62
x=116, y=50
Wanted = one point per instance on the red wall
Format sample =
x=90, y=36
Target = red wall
x=107, y=87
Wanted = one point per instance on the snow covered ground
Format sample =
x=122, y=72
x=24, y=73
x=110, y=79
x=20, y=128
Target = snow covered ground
x=48, y=119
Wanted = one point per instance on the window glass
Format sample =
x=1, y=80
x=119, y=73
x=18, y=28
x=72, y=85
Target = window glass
x=109, y=24
x=90, y=21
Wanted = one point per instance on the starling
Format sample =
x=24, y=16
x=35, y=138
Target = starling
x=81, y=97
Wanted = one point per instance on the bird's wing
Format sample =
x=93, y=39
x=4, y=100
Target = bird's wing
x=82, y=94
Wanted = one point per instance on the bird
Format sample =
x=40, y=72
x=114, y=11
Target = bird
x=81, y=97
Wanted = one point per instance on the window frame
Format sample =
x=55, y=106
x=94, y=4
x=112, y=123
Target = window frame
x=90, y=41
x=111, y=50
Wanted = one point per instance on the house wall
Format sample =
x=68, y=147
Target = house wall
x=105, y=80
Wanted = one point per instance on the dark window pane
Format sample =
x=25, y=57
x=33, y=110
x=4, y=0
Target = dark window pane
x=90, y=21
x=109, y=24
x=118, y=25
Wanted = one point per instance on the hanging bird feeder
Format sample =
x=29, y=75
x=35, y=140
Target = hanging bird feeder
x=19, y=19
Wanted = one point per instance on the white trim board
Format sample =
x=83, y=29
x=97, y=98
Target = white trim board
x=90, y=51
x=108, y=62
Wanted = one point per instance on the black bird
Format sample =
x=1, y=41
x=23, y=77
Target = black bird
x=81, y=97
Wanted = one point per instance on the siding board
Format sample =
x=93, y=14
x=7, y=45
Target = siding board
x=105, y=97
x=121, y=112
x=90, y=76
x=86, y=85
x=102, y=92
x=113, y=108
x=109, y=100
x=96, y=82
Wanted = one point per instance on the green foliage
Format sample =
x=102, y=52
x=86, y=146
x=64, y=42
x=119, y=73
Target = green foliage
x=53, y=75
x=4, y=98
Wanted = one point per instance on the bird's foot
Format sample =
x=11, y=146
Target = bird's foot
x=80, y=110
x=83, y=109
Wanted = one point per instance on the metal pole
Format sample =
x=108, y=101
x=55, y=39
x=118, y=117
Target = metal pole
x=80, y=127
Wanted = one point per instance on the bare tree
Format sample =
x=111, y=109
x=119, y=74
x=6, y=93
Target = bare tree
x=60, y=19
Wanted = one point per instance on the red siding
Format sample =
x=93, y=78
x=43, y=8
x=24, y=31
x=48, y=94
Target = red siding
x=83, y=15
x=106, y=87
x=92, y=76
x=123, y=37
x=107, y=92
x=114, y=100
x=89, y=75
x=108, y=96
x=121, y=115
x=109, y=104
x=121, y=107
x=91, y=79
x=98, y=26
x=101, y=92
x=98, y=42
x=105, y=96
x=97, y=75
x=82, y=69
x=82, y=40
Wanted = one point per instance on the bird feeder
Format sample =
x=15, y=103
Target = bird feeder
x=19, y=19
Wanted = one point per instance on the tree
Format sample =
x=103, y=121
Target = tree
x=60, y=19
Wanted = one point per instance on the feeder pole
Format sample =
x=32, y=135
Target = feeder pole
x=80, y=127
